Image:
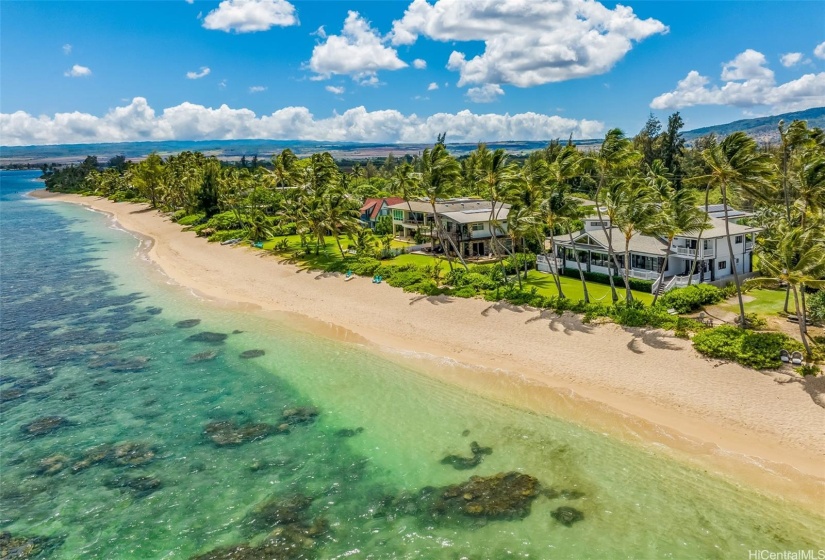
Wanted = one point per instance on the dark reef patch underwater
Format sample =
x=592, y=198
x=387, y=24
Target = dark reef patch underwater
x=126, y=435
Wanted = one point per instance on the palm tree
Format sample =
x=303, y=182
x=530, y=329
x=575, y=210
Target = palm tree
x=341, y=215
x=497, y=180
x=635, y=212
x=679, y=215
x=440, y=173
x=737, y=167
x=798, y=260
x=522, y=222
x=405, y=182
x=610, y=164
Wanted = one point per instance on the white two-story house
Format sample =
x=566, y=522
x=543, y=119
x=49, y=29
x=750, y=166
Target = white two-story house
x=466, y=221
x=714, y=261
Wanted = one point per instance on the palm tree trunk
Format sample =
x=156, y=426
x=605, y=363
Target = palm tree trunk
x=628, y=294
x=699, y=240
x=800, y=317
x=555, y=269
x=662, y=270
x=733, y=260
x=579, y=266
x=340, y=249
x=608, y=235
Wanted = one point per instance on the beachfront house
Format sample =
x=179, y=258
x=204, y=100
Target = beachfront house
x=713, y=261
x=467, y=224
x=374, y=208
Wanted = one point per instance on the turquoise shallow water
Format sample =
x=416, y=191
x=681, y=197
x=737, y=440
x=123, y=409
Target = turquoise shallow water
x=89, y=337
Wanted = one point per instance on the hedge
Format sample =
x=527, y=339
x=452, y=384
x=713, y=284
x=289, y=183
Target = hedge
x=758, y=350
x=690, y=298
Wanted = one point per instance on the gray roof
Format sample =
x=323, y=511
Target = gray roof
x=718, y=211
x=638, y=243
x=461, y=210
x=718, y=229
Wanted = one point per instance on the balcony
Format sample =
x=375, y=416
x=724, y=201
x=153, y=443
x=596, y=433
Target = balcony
x=689, y=253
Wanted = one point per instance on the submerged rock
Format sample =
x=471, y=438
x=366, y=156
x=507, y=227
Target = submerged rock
x=299, y=415
x=202, y=356
x=208, y=337
x=501, y=496
x=52, y=465
x=44, y=425
x=567, y=515
x=236, y=331
x=92, y=457
x=12, y=394
x=154, y=310
x=348, y=432
x=132, y=454
x=464, y=463
x=140, y=486
x=20, y=548
x=188, y=323
x=246, y=355
x=226, y=432
x=277, y=511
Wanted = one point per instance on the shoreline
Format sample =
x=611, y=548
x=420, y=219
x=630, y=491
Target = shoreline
x=641, y=386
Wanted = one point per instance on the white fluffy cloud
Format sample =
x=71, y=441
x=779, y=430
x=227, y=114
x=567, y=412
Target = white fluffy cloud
x=485, y=94
x=819, y=50
x=257, y=89
x=790, y=59
x=67, y=49
x=419, y=64
x=247, y=16
x=527, y=42
x=204, y=71
x=334, y=89
x=78, y=71
x=358, y=51
x=747, y=82
x=432, y=86
x=187, y=121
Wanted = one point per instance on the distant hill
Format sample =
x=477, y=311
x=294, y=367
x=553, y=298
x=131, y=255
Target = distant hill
x=763, y=129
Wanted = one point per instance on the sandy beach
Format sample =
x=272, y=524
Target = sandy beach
x=640, y=385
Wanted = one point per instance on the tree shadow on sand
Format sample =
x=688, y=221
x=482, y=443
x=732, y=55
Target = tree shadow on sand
x=653, y=338
x=567, y=323
x=814, y=386
x=502, y=306
x=434, y=300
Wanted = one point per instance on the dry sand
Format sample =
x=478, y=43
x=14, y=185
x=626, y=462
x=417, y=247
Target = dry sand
x=643, y=386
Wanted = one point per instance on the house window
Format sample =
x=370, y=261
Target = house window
x=449, y=226
x=595, y=224
x=398, y=215
x=478, y=226
x=738, y=239
x=722, y=265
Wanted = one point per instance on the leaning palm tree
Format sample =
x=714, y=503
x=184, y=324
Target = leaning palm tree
x=798, y=260
x=440, y=173
x=737, y=167
x=405, y=182
x=635, y=212
x=522, y=222
x=610, y=164
x=679, y=215
x=497, y=179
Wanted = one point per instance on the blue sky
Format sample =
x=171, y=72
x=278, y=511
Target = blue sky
x=492, y=70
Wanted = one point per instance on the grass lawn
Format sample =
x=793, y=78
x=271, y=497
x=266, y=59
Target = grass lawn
x=765, y=302
x=572, y=288
x=543, y=282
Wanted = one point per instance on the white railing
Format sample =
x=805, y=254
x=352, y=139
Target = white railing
x=548, y=264
x=709, y=252
x=643, y=274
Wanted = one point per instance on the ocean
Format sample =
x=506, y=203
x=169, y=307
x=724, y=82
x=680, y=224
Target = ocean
x=141, y=421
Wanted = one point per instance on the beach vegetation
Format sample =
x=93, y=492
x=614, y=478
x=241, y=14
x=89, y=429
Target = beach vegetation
x=306, y=210
x=758, y=350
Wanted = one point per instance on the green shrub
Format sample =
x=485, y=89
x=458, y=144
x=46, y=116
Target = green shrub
x=227, y=235
x=465, y=292
x=191, y=219
x=690, y=298
x=808, y=369
x=365, y=266
x=728, y=290
x=758, y=350
x=224, y=220
x=816, y=307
